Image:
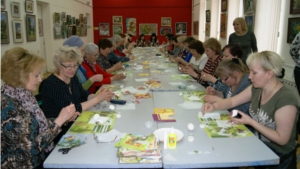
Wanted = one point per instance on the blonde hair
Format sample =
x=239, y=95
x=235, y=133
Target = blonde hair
x=242, y=22
x=213, y=44
x=227, y=67
x=66, y=54
x=181, y=39
x=268, y=60
x=16, y=64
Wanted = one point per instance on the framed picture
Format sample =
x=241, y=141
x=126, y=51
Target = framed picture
x=196, y=27
x=56, y=18
x=293, y=28
x=63, y=16
x=117, y=29
x=30, y=27
x=207, y=29
x=117, y=19
x=250, y=22
x=77, y=23
x=4, y=28
x=69, y=31
x=224, y=6
x=131, y=26
x=69, y=20
x=166, y=21
x=78, y=30
x=29, y=6
x=248, y=6
x=104, y=29
x=165, y=30
x=81, y=18
x=3, y=4
x=57, y=32
x=294, y=6
x=73, y=21
x=148, y=28
x=15, y=9
x=180, y=28
x=17, y=31
x=207, y=15
x=223, y=25
x=85, y=20
x=64, y=30
x=40, y=27
x=82, y=30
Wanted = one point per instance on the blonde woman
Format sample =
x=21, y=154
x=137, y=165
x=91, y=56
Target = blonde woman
x=244, y=37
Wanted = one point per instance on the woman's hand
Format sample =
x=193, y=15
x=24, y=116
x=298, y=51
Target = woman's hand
x=190, y=71
x=119, y=77
x=131, y=57
x=68, y=113
x=208, y=77
x=96, y=78
x=104, y=94
x=210, y=90
x=245, y=119
x=211, y=98
x=118, y=66
x=207, y=107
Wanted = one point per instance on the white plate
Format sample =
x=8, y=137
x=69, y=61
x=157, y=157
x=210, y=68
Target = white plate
x=159, y=133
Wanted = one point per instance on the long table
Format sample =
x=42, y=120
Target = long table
x=217, y=152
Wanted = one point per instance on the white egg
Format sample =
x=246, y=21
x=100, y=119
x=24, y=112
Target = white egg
x=234, y=113
x=180, y=93
x=118, y=115
x=190, y=126
x=202, y=126
x=112, y=107
x=191, y=138
x=96, y=116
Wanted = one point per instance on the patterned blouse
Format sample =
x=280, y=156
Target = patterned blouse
x=103, y=62
x=21, y=144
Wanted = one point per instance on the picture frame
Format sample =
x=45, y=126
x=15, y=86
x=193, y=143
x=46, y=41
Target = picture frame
x=81, y=18
x=293, y=25
x=30, y=27
x=148, y=28
x=248, y=6
x=207, y=29
x=117, y=29
x=69, y=20
x=64, y=30
x=70, y=31
x=166, y=21
x=117, y=20
x=78, y=30
x=17, y=31
x=104, y=29
x=15, y=9
x=165, y=30
x=250, y=22
x=77, y=23
x=85, y=20
x=29, y=6
x=131, y=26
x=82, y=30
x=57, y=32
x=180, y=28
x=73, y=21
x=223, y=28
x=207, y=15
x=4, y=28
x=63, y=16
x=294, y=6
x=40, y=27
x=224, y=6
x=196, y=27
x=56, y=18
x=3, y=5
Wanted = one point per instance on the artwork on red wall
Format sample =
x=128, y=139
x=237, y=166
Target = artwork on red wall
x=131, y=26
x=117, y=19
x=117, y=29
x=196, y=27
x=148, y=28
x=180, y=28
x=166, y=21
x=104, y=29
x=165, y=30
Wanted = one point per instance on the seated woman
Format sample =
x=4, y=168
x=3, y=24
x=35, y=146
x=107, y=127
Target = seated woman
x=234, y=74
x=141, y=42
x=114, y=58
x=25, y=131
x=174, y=53
x=75, y=41
x=153, y=41
x=188, y=57
x=198, y=60
x=105, y=46
x=62, y=88
x=182, y=52
x=273, y=107
x=92, y=68
x=213, y=51
x=165, y=47
x=120, y=40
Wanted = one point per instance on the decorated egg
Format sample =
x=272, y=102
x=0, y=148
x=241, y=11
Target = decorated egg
x=96, y=116
x=190, y=126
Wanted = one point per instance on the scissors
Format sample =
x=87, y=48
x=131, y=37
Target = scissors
x=66, y=150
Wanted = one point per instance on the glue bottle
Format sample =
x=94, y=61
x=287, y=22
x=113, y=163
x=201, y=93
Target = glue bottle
x=172, y=140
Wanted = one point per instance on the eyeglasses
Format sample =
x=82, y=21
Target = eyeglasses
x=225, y=79
x=70, y=67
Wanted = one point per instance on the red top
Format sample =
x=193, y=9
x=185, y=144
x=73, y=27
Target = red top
x=119, y=53
x=90, y=72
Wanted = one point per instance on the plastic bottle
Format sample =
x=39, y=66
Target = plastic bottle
x=172, y=140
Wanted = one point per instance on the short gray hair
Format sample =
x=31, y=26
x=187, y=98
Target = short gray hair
x=113, y=41
x=66, y=54
x=90, y=48
x=117, y=38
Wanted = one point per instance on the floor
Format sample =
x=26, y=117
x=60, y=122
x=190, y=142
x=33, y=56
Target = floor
x=298, y=150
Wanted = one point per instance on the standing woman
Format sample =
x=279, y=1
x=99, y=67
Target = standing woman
x=244, y=37
x=25, y=131
x=141, y=42
x=295, y=53
x=273, y=107
x=153, y=41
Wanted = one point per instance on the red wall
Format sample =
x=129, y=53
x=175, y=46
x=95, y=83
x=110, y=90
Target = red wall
x=145, y=11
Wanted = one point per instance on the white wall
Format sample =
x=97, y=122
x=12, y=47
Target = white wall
x=71, y=7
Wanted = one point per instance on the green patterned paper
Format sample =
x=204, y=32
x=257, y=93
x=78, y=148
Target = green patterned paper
x=188, y=94
x=181, y=77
